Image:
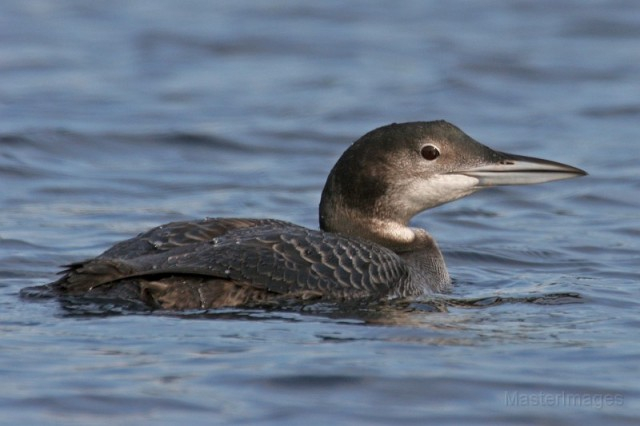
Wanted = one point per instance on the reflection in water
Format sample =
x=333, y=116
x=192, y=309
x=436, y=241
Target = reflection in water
x=393, y=312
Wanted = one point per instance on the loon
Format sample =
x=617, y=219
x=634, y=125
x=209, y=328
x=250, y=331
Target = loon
x=364, y=250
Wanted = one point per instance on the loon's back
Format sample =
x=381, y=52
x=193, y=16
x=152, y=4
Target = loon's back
x=237, y=262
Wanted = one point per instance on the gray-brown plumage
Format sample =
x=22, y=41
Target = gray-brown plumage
x=365, y=249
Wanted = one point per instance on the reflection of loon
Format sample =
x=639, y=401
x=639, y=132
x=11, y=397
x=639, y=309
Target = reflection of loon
x=365, y=250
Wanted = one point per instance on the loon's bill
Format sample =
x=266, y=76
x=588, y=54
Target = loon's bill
x=521, y=170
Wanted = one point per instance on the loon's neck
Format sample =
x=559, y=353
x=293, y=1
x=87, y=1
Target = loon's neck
x=393, y=235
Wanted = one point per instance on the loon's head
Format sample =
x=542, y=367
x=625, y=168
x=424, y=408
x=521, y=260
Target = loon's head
x=394, y=172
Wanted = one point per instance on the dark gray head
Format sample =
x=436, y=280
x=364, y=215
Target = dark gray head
x=394, y=172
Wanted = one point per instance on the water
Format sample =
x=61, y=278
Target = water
x=118, y=116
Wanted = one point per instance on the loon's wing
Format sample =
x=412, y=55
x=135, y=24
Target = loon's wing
x=281, y=260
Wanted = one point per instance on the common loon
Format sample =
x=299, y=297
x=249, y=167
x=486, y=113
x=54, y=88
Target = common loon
x=364, y=250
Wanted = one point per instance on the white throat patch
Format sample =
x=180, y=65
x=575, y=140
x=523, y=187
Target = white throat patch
x=421, y=194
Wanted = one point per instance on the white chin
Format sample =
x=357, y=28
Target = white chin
x=423, y=194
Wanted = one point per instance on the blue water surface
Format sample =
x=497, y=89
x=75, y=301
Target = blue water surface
x=118, y=116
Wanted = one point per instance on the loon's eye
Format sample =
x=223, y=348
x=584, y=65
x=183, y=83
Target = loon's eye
x=430, y=152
